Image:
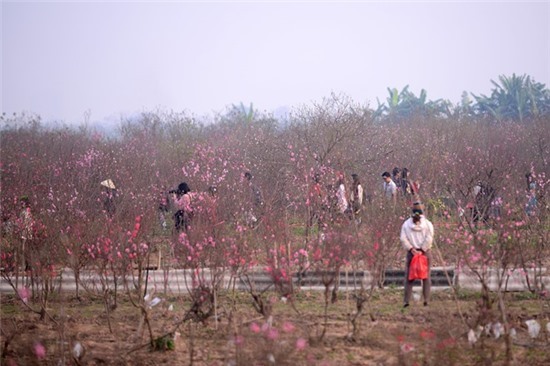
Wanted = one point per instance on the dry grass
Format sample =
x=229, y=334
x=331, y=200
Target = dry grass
x=388, y=335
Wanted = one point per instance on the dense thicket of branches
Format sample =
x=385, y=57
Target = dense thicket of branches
x=58, y=173
x=60, y=169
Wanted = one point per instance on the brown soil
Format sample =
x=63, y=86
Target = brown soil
x=388, y=334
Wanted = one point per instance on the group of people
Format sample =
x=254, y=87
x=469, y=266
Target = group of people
x=416, y=235
x=399, y=183
x=484, y=202
x=417, y=232
x=333, y=201
x=179, y=204
x=351, y=204
x=340, y=200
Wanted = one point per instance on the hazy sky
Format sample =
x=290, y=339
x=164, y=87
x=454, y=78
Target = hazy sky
x=62, y=58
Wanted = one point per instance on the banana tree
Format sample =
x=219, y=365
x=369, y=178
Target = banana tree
x=514, y=98
x=396, y=106
x=404, y=104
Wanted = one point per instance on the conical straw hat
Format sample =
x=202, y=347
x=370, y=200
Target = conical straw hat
x=108, y=183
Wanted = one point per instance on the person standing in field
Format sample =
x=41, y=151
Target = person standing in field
x=531, y=205
x=396, y=177
x=164, y=207
x=184, y=213
x=356, y=197
x=389, y=188
x=110, y=196
x=342, y=200
x=417, y=234
x=255, y=209
x=409, y=187
x=26, y=225
x=316, y=203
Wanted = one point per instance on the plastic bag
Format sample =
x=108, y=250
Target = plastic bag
x=533, y=327
x=418, y=270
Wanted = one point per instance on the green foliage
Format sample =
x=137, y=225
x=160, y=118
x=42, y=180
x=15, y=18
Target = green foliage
x=9, y=310
x=241, y=115
x=525, y=295
x=405, y=104
x=467, y=295
x=164, y=343
x=514, y=98
x=435, y=206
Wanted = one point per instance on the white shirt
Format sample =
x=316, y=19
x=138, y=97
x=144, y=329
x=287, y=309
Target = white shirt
x=342, y=200
x=418, y=236
x=359, y=198
x=390, y=189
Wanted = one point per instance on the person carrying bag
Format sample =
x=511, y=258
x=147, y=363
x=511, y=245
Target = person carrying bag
x=418, y=269
x=416, y=237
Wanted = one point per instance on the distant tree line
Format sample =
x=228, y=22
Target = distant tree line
x=513, y=98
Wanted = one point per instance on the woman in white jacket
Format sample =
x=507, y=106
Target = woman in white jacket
x=417, y=235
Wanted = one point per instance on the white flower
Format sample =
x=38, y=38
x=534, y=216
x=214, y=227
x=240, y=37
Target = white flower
x=533, y=327
x=271, y=358
x=171, y=307
x=513, y=333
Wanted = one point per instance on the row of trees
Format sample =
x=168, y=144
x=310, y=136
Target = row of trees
x=59, y=170
x=516, y=98
x=513, y=98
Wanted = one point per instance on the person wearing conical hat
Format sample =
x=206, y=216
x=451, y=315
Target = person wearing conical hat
x=108, y=183
x=109, y=194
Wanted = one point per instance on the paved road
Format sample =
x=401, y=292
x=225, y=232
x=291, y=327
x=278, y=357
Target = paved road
x=179, y=281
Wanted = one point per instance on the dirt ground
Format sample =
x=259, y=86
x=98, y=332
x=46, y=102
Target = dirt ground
x=238, y=335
